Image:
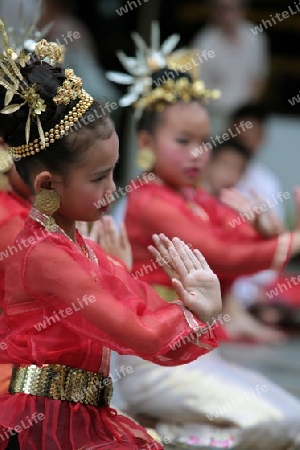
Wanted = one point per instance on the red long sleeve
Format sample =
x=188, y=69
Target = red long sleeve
x=229, y=251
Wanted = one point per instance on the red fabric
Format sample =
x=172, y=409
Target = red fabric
x=286, y=288
x=45, y=320
x=13, y=212
x=230, y=251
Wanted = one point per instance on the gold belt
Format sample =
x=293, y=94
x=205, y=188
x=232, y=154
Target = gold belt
x=62, y=383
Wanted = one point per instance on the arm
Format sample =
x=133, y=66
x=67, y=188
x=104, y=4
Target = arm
x=230, y=256
x=119, y=316
x=263, y=218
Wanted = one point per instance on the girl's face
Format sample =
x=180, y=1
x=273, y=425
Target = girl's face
x=179, y=144
x=86, y=192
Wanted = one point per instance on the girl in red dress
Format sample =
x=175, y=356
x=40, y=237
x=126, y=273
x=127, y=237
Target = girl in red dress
x=66, y=303
x=14, y=209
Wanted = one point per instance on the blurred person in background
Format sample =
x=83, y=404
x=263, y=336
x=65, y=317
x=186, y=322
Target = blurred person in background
x=260, y=184
x=257, y=176
x=241, y=63
x=226, y=167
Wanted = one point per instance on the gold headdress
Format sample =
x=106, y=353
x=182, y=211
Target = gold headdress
x=12, y=60
x=142, y=95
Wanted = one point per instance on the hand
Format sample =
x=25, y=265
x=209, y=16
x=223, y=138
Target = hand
x=104, y=232
x=193, y=280
x=239, y=202
x=265, y=222
x=113, y=242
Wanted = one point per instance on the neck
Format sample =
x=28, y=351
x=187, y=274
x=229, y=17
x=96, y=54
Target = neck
x=66, y=225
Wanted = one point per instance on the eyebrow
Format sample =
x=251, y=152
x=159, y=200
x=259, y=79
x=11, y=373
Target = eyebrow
x=104, y=171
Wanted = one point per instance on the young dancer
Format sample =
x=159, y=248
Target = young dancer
x=174, y=142
x=66, y=303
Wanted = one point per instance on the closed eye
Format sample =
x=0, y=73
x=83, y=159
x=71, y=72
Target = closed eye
x=182, y=141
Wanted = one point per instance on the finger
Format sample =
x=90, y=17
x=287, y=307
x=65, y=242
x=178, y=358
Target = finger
x=161, y=246
x=94, y=232
x=180, y=291
x=202, y=260
x=183, y=254
x=101, y=234
x=110, y=229
x=161, y=261
x=190, y=254
x=124, y=241
x=178, y=263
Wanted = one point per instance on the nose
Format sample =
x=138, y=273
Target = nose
x=112, y=187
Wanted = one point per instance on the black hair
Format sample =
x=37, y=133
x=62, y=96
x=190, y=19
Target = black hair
x=64, y=152
x=150, y=118
x=255, y=111
x=233, y=145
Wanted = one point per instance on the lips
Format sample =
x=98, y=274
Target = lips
x=192, y=172
x=104, y=208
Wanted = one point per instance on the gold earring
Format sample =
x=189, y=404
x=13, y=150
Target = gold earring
x=145, y=158
x=47, y=201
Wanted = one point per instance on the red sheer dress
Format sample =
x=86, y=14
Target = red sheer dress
x=202, y=222
x=13, y=212
x=44, y=322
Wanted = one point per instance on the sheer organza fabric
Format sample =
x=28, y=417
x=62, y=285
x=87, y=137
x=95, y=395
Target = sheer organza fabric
x=231, y=248
x=13, y=212
x=62, y=308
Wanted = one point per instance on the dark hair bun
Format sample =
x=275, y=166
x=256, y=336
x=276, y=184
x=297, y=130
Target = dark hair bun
x=46, y=80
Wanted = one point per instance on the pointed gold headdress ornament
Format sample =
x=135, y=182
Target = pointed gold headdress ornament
x=12, y=60
x=141, y=94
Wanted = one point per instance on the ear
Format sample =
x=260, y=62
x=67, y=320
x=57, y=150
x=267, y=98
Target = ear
x=144, y=139
x=43, y=181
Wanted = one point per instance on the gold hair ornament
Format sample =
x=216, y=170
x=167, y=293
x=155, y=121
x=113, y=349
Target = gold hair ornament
x=57, y=132
x=69, y=90
x=11, y=61
x=140, y=68
x=13, y=81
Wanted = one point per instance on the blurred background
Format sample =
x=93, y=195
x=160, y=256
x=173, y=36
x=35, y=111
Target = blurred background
x=111, y=31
